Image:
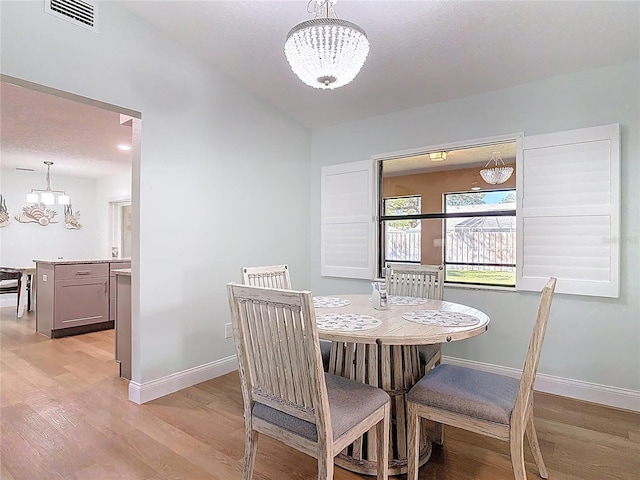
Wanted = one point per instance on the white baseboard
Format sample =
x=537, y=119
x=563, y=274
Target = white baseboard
x=147, y=391
x=566, y=387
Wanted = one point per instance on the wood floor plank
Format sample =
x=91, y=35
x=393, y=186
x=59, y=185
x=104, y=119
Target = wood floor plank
x=64, y=414
x=52, y=453
x=197, y=452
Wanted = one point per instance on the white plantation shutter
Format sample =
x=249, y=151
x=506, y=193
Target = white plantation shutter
x=568, y=188
x=347, y=220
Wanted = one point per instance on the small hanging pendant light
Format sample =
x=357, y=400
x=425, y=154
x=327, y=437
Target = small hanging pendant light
x=497, y=174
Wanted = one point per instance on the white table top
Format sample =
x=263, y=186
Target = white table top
x=28, y=270
x=395, y=330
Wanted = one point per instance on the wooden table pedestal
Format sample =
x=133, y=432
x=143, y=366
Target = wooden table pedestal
x=395, y=369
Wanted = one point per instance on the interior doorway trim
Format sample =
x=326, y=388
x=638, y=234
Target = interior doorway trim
x=69, y=96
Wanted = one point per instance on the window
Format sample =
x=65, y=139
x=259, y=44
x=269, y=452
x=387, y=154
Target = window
x=480, y=248
x=402, y=237
x=567, y=211
x=449, y=215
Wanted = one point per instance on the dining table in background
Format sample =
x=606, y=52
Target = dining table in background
x=26, y=296
x=380, y=347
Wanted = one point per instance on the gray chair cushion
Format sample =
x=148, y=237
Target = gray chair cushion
x=350, y=402
x=325, y=350
x=467, y=391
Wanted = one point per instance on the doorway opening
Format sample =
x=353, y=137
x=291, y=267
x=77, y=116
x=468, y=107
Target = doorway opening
x=95, y=149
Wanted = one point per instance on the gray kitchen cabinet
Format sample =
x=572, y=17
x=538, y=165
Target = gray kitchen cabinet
x=112, y=286
x=81, y=301
x=74, y=296
x=123, y=321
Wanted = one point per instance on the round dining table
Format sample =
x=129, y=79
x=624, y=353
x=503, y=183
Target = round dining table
x=381, y=348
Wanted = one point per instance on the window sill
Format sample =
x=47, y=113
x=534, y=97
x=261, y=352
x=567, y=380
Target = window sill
x=467, y=286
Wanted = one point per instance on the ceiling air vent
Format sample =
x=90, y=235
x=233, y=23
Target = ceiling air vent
x=78, y=12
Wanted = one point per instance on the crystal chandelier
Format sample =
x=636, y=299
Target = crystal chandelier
x=497, y=174
x=326, y=52
x=48, y=196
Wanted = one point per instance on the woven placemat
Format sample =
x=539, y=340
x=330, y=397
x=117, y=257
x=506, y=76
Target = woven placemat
x=346, y=322
x=441, y=318
x=401, y=300
x=329, y=302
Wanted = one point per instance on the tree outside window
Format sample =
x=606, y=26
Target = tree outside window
x=402, y=238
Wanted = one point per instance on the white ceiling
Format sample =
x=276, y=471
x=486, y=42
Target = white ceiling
x=80, y=139
x=421, y=52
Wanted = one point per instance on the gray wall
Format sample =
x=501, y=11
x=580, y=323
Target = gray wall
x=216, y=176
x=590, y=339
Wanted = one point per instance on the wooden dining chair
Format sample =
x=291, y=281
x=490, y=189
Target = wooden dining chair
x=277, y=276
x=482, y=402
x=287, y=395
x=272, y=276
x=423, y=281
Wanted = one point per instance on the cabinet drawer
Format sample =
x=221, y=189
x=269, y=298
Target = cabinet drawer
x=81, y=270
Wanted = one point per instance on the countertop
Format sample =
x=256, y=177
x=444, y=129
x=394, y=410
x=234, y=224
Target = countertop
x=75, y=262
x=122, y=271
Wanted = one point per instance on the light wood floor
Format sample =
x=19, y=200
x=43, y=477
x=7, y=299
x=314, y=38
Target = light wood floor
x=64, y=415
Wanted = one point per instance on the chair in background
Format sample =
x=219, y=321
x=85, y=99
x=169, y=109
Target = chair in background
x=272, y=276
x=415, y=280
x=423, y=281
x=486, y=403
x=287, y=395
x=11, y=282
x=277, y=276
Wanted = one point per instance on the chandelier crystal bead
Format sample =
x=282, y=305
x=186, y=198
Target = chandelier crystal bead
x=326, y=53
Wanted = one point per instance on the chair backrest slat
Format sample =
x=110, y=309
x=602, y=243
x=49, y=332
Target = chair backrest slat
x=413, y=280
x=271, y=276
x=278, y=347
x=304, y=366
x=525, y=390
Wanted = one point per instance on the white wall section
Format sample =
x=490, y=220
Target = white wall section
x=24, y=242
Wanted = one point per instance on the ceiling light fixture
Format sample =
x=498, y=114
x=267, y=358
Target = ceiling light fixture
x=497, y=174
x=124, y=147
x=326, y=52
x=438, y=156
x=47, y=196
